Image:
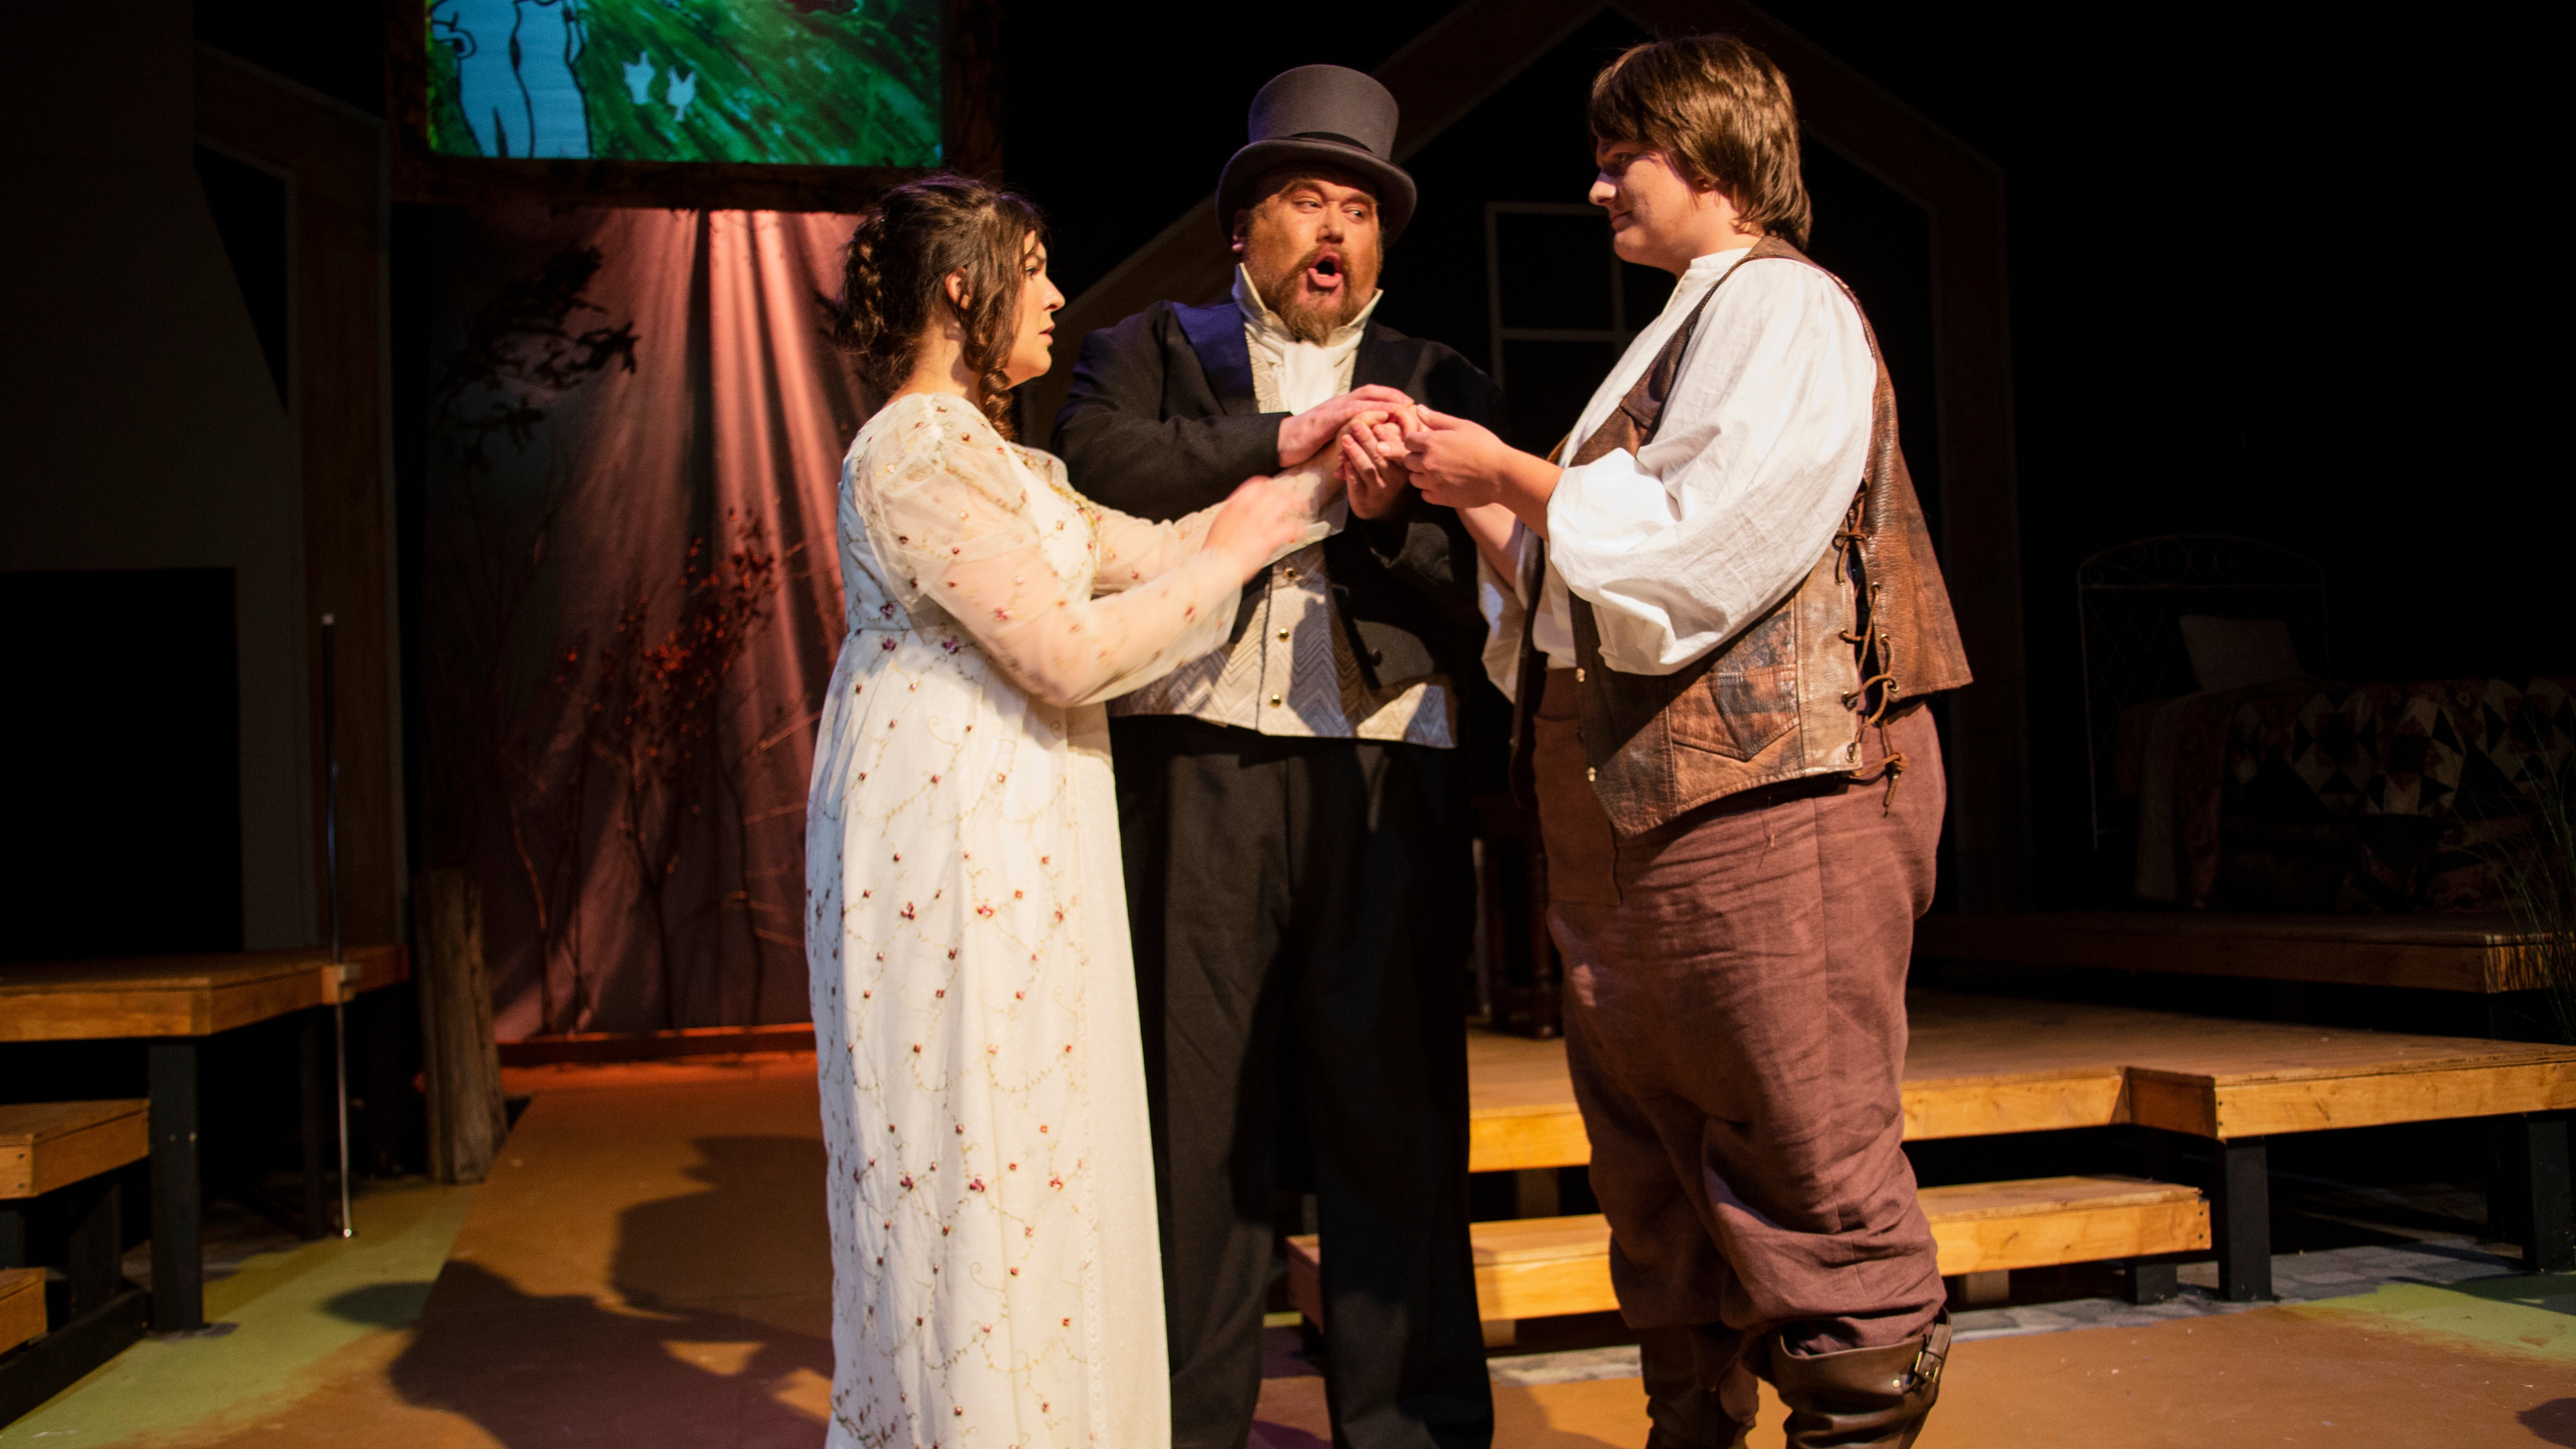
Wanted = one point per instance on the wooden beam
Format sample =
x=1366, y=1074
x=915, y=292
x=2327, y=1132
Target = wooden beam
x=338, y=338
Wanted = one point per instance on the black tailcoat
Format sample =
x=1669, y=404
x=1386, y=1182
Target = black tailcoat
x=1161, y=421
x=1301, y=912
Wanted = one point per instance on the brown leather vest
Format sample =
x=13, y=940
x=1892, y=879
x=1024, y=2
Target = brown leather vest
x=1868, y=628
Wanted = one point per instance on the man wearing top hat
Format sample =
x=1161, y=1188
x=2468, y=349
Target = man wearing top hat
x=1296, y=851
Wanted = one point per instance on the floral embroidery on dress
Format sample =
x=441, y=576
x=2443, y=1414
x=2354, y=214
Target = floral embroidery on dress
x=979, y=947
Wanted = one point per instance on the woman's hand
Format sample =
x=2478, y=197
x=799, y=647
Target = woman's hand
x=1372, y=461
x=1259, y=520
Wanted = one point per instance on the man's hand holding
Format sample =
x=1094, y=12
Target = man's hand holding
x=1372, y=461
x=1302, y=435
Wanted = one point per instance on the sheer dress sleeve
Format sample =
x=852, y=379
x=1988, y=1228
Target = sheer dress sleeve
x=949, y=511
x=1134, y=550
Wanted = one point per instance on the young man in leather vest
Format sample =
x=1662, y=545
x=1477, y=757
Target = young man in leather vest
x=1297, y=869
x=1718, y=622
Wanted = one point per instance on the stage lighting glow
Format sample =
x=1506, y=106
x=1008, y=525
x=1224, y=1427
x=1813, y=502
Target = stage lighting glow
x=791, y=82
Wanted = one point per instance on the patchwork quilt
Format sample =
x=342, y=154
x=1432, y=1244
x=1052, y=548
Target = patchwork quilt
x=2308, y=796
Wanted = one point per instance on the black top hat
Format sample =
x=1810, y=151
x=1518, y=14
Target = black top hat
x=1320, y=113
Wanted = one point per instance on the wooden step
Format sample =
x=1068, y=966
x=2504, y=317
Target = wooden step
x=1981, y=1065
x=2207, y=1076
x=46, y=1145
x=1989, y=1227
x=1543, y=1267
x=22, y=1306
x=1520, y=1105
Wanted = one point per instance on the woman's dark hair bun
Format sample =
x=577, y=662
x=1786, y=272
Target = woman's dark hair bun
x=894, y=280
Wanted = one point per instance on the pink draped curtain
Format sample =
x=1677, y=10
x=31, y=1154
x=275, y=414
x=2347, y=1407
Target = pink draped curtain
x=631, y=603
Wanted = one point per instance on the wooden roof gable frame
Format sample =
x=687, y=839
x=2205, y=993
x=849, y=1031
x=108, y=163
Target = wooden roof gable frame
x=1471, y=53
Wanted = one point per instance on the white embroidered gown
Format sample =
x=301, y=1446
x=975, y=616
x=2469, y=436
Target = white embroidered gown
x=996, y=1279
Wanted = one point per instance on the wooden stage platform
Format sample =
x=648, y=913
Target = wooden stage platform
x=1983, y=1066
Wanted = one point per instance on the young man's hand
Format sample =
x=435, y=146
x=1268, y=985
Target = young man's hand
x=1454, y=461
x=1302, y=435
x=1463, y=465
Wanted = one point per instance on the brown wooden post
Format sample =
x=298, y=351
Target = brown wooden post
x=461, y=1064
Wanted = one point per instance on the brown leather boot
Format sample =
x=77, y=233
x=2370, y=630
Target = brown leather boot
x=1861, y=1398
x=1699, y=1394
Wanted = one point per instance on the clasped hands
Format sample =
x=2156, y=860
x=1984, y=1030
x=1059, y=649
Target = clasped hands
x=1383, y=442
x=1387, y=442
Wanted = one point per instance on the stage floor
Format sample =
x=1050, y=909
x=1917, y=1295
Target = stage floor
x=647, y=1268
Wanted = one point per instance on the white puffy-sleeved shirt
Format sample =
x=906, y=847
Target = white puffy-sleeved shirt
x=1759, y=452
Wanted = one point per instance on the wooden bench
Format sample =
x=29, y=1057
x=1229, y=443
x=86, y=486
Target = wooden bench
x=176, y=1003
x=1978, y=1066
x=46, y=1145
x=1542, y=1267
x=2469, y=952
x=58, y=1182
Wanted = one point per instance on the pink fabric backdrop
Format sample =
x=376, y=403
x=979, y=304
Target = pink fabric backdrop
x=631, y=603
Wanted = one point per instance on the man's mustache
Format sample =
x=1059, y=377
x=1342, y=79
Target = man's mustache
x=1289, y=275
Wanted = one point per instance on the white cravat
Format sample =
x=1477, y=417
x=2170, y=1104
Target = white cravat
x=1308, y=373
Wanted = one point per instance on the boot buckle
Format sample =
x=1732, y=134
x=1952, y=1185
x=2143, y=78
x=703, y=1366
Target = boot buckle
x=1935, y=1352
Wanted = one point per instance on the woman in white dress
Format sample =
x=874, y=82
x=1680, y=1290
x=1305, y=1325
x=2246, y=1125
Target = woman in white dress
x=995, y=1270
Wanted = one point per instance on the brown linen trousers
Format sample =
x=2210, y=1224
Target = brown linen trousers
x=1735, y=1024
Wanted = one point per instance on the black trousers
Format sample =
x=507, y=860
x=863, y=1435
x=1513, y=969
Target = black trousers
x=1302, y=913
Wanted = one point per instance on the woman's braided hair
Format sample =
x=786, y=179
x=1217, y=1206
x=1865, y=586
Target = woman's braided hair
x=894, y=281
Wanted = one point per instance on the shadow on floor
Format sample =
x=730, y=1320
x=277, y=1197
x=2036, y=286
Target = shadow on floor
x=2554, y=1422
x=2550, y=1292
x=687, y=1348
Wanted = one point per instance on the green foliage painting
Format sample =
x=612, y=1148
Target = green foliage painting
x=803, y=82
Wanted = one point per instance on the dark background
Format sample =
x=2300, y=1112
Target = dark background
x=2276, y=275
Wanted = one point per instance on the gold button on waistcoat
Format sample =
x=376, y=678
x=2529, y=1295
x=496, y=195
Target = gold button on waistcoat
x=1274, y=701
x=1283, y=633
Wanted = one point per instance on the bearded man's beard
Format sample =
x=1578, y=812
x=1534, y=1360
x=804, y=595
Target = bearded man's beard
x=1309, y=318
